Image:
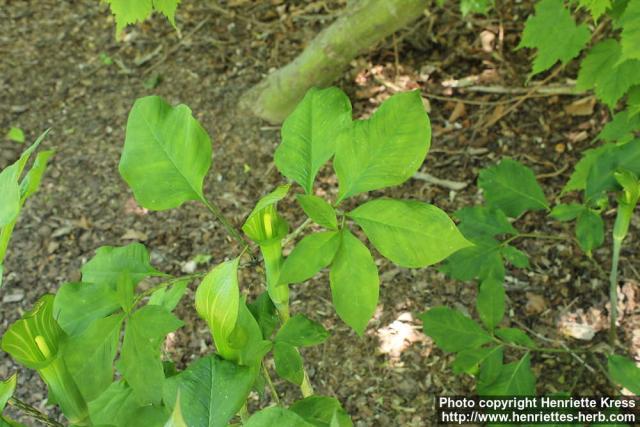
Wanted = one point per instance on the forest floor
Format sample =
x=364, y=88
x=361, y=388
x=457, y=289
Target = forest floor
x=61, y=67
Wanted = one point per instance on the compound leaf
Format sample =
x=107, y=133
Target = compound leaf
x=140, y=362
x=89, y=355
x=553, y=31
x=313, y=253
x=604, y=70
x=408, y=232
x=453, y=331
x=288, y=362
x=482, y=261
x=321, y=212
x=321, y=410
x=625, y=372
x=309, y=134
x=276, y=416
x=212, y=391
x=482, y=222
x=300, y=331
x=514, y=379
x=110, y=262
x=77, y=305
x=512, y=187
x=166, y=154
x=355, y=284
x=490, y=302
x=386, y=149
x=515, y=336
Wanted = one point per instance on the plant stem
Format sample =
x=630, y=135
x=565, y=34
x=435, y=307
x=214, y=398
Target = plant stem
x=231, y=230
x=267, y=377
x=613, y=291
x=33, y=412
x=296, y=232
x=166, y=284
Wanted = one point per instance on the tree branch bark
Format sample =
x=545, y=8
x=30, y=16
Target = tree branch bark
x=363, y=24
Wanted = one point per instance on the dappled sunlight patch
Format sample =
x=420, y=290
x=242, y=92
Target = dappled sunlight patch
x=398, y=336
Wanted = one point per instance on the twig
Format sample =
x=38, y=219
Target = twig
x=296, y=232
x=267, y=377
x=452, y=185
x=539, y=89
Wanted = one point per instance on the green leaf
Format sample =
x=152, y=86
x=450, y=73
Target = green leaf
x=211, y=391
x=176, y=419
x=355, y=284
x=386, y=149
x=264, y=224
x=604, y=69
x=218, y=301
x=78, y=304
x=302, y=332
x=482, y=222
x=166, y=154
x=512, y=187
x=16, y=134
x=601, y=175
x=490, y=367
x=318, y=210
x=633, y=103
x=89, y=355
x=453, y=331
x=7, y=387
x=408, y=232
x=34, y=340
x=624, y=372
x=475, y=6
x=309, y=134
x=515, y=256
x=9, y=195
x=490, y=302
x=313, y=253
x=482, y=261
x=630, y=22
x=245, y=344
x=468, y=361
x=514, y=379
x=553, y=31
x=169, y=297
x=578, y=180
x=125, y=291
x=568, y=212
x=321, y=410
x=515, y=336
x=288, y=362
x=32, y=179
x=589, y=230
x=140, y=362
x=110, y=261
x=264, y=311
x=621, y=128
x=127, y=12
x=118, y=407
x=596, y=8
x=276, y=416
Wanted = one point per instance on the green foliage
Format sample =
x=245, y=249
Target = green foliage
x=512, y=188
x=554, y=33
x=309, y=135
x=322, y=411
x=490, y=302
x=7, y=387
x=354, y=280
x=408, y=232
x=514, y=379
x=166, y=154
x=211, y=391
x=300, y=331
x=110, y=262
x=596, y=8
x=321, y=212
x=16, y=134
x=276, y=416
x=453, y=331
x=312, y=254
x=475, y=6
x=624, y=372
x=384, y=150
x=14, y=192
x=288, y=362
x=130, y=12
x=630, y=23
x=140, y=362
x=605, y=69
